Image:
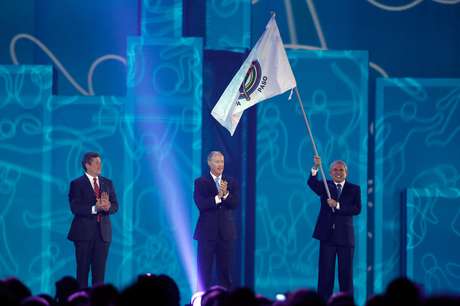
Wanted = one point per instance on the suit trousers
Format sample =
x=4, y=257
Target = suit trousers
x=328, y=252
x=91, y=254
x=222, y=252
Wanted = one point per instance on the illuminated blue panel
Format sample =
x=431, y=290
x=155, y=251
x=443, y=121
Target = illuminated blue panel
x=165, y=67
x=147, y=152
x=333, y=85
x=161, y=18
x=23, y=179
x=150, y=143
x=416, y=146
x=433, y=232
x=78, y=125
x=49, y=141
x=164, y=120
x=228, y=24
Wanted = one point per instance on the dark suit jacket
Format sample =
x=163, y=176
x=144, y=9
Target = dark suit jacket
x=215, y=221
x=350, y=205
x=81, y=198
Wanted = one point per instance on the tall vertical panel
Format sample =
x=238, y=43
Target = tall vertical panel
x=49, y=137
x=333, y=85
x=228, y=25
x=416, y=146
x=78, y=125
x=150, y=142
x=164, y=122
x=25, y=180
x=432, y=214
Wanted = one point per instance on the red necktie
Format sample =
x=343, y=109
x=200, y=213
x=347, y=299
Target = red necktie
x=96, y=188
x=98, y=195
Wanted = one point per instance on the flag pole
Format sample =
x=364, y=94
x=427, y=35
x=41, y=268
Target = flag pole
x=312, y=141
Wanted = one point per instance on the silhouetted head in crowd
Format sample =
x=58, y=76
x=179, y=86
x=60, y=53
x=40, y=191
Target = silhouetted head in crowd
x=169, y=290
x=377, y=300
x=263, y=301
x=214, y=296
x=240, y=297
x=305, y=297
x=151, y=289
x=104, y=295
x=6, y=298
x=16, y=289
x=442, y=300
x=79, y=298
x=341, y=299
x=65, y=287
x=48, y=298
x=403, y=292
x=34, y=301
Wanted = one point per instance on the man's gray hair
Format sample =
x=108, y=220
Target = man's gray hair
x=212, y=153
x=341, y=162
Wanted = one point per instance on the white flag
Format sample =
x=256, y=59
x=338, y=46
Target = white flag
x=264, y=74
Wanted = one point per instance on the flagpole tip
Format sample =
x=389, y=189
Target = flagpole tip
x=273, y=13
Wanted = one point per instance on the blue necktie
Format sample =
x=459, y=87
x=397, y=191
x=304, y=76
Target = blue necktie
x=217, y=183
x=339, y=190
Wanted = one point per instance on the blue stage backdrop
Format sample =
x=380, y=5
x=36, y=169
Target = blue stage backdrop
x=151, y=150
x=136, y=79
x=432, y=227
x=416, y=146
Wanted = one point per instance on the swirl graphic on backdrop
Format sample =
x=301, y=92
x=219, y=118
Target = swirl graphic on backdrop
x=319, y=32
x=35, y=81
x=409, y=5
x=60, y=66
x=225, y=8
x=395, y=8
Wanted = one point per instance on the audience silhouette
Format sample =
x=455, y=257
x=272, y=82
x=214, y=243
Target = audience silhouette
x=162, y=290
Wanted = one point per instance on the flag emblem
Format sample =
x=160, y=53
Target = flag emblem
x=264, y=74
x=251, y=81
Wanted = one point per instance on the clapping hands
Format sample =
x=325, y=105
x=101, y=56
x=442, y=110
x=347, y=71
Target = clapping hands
x=103, y=203
x=223, y=190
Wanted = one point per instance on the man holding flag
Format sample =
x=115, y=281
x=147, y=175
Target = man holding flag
x=334, y=227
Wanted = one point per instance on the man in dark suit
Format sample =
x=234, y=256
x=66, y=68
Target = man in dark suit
x=216, y=196
x=92, y=199
x=334, y=227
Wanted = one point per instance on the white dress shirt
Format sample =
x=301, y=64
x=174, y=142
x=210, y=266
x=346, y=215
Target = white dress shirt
x=91, y=180
x=314, y=172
